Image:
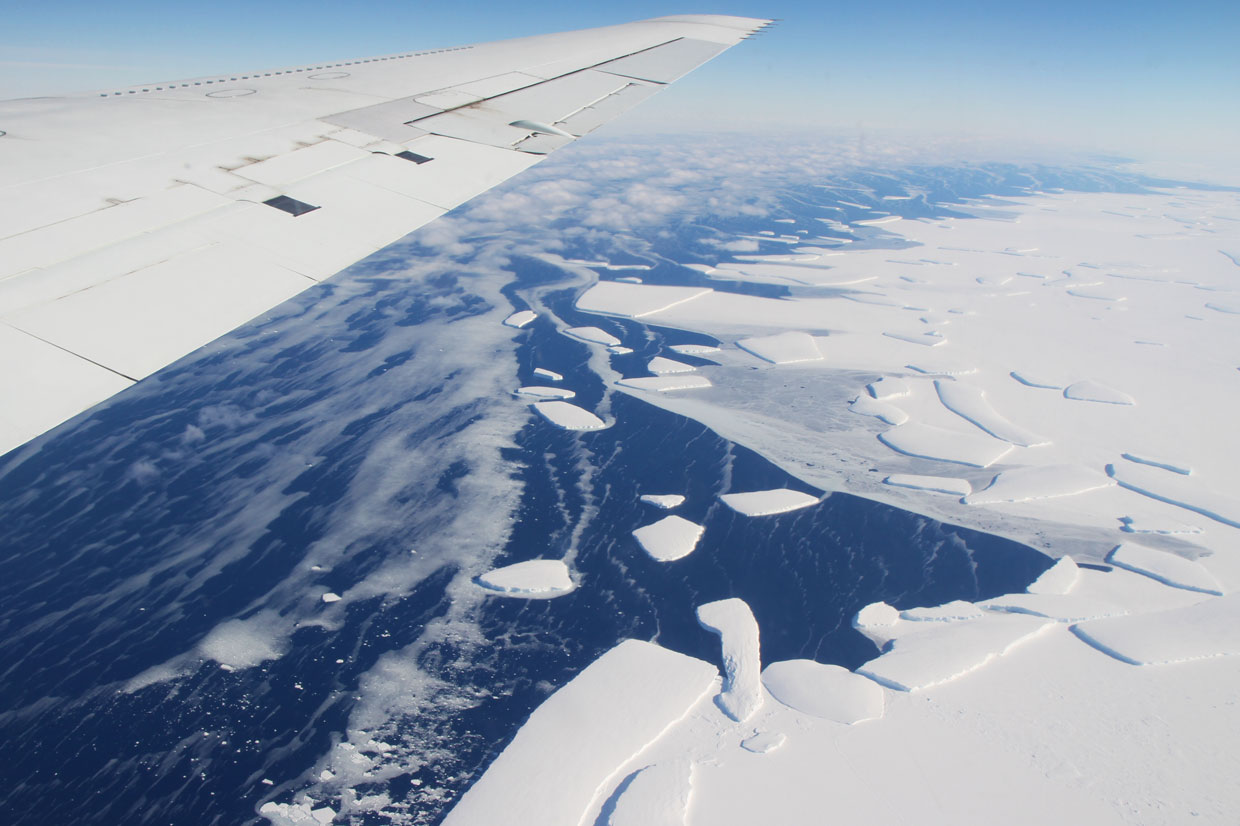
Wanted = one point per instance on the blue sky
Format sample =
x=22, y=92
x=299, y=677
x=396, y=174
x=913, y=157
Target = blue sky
x=1141, y=78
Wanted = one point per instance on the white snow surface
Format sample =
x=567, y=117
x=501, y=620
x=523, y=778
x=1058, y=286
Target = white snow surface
x=931, y=442
x=768, y=502
x=661, y=365
x=1042, y=482
x=826, y=691
x=531, y=579
x=568, y=416
x=666, y=501
x=635, y=300
x=543, y=392
x=671, y=538
x=657, y=795
x=1205, y=630
x=783, y=348
x=617, y=706
x=1165, y=567
x=867, y=405
x=664, y=384
x=1060, y=578
x=520, y=318
x=594, y=335
x=1093, y=391
x=969, y=403
x=731, y=619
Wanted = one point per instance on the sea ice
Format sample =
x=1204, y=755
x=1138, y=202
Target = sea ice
x=661, y=365
x=593, y=335
x=532, y=579
x=619, y=705
x=1206, y=629
x=888, y=388
x=1165, y=567
x=666, y=501
x=826, y=691
x=1156, y=525
x=970, y=403
x=783, y=348
x=669, y=539
x=866, y=405
x=541, y=392
x=1174, y=489
x=664, y=384
x=1174, y=467
x=657, y=795
x=1060, y=578
x=768, y=502
x=1034, y=380
x=635, y=300
x=568, y=416
x=1040, y=482
x=764, y=742
x=955, y=611
x=931, y=339
x=520, y=318
x=694, y=349
x=330, y=597
x=297, y=814
x=1059, y=607
x=549, y=375
x=942, y=654
x=936, y=484
x=240, y=643
x=1092, y=391
x=732, y=620
x=930, y=442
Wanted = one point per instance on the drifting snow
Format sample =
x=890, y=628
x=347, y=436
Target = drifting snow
x=783, y=348
x=520, y=318
x=535, y=578
x=768, y=502
x=669, y=539
x=732, y=620
x=568, y=416
x=934, y=484
x=618, y=705
x=825, y=691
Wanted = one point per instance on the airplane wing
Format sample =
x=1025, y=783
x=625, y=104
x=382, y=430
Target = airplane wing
x=138, y=224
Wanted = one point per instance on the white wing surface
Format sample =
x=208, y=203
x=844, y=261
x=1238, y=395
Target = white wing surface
x=138, y=224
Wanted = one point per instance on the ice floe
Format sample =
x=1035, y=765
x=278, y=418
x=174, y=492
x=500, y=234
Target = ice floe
x=1092, y=391
x=731, y=619
x=970, y=403
x=533, y=578
x=1167, y=568
x=671, y=538
x=661, y=365
x=520, y=318
x=1059, y=607
x=666, y=501
x=541, y=392
x=955, y=611
x=664, y=384
x=297, y=814
x=568, y=416
x=694, y=349
x=1060, y=578
x=783, y=348
x=330, y=597
x=768, y=502
x=593, y=335
x=867, y=405
x=635, y=300
x=934, y=484
x=826, y=691
x=945, y=653
x=657, y=795
x=1040, y=482
x=620, y=704
x=549, y=375
x=888, y=388
x=930, y=442
x=1204, y=630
